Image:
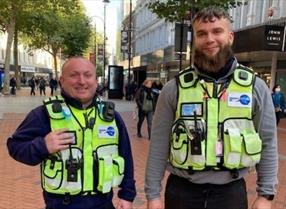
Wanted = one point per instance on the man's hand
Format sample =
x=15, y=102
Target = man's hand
x=123, y=204
x=155, y=204
x=261, y=203
x=58, y=140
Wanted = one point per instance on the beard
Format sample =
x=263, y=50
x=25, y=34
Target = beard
x=215, y=63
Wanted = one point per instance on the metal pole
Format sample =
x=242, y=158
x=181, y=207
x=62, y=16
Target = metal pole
x=181, y=45
x=129, y=41
x=104, y=37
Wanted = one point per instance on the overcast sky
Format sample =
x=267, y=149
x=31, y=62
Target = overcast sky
x=95, y=9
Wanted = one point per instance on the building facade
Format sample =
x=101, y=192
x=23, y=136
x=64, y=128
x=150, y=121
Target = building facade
x=31, y=63
x=153, y=41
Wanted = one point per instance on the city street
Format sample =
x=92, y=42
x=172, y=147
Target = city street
x=21, y=185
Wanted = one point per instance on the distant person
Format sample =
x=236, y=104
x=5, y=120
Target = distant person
x=81, y=143
x=133, y=89
x=213, y=123
x=32, y=85
x=42, y=86
x=145, y=103
x=37, y=82
x=53, y=85
x=278, y=101
x=13, y=85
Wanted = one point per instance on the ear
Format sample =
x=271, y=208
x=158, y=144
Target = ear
x=231, y=37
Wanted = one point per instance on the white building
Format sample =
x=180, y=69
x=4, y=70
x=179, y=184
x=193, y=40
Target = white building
x=153, y=41
x=36, y=62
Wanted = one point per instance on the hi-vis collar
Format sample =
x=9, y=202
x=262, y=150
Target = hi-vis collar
x=242, y=75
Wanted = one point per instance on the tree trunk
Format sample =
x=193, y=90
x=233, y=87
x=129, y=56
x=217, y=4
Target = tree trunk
x=56, y=66
x=16, y=63
x=10, y=32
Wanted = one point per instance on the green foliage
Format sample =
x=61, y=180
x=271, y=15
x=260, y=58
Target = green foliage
x=57, y=25
x=176, y=10
x=76, y=35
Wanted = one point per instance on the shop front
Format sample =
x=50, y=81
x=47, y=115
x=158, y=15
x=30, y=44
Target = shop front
x=263, y=48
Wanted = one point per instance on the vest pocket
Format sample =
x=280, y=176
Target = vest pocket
x=53, y=174
x=118, y=171
x=252, y=149
x=232, y=148
x=188, y=145
x=105, y=168
x=108, y=168
x=241, y=149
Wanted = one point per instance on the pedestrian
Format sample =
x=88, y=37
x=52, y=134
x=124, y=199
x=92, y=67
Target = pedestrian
x=133, y=89
x=42, y=86
x=81, y=143
x=53, y=85
x=212, y=123
x=278, y=101
x=37, y=82
x=32, y=85
x=13, y=85
x=145, y=104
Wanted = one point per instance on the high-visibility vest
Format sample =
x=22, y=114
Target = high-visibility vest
x=213, y=128
x=91, y=164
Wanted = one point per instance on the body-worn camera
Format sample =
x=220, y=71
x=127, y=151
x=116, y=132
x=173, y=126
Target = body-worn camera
x=197, y=137
x=72, y=166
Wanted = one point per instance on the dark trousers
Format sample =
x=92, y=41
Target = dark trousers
x=107, y=206
x=42, y=90
x=52, y=91
x=32, y=92
x=278, y=116
x=182, y=194
x=141, y=117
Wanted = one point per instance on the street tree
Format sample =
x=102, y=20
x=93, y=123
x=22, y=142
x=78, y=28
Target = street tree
x=60, y=26
x=181, y=10
x=13, y=16
x=8, y=13
x=176, y=10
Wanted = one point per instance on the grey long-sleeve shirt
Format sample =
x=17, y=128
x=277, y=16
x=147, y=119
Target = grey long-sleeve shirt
x=264, y=122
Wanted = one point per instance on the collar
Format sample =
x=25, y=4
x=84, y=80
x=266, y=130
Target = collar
x=75, y=103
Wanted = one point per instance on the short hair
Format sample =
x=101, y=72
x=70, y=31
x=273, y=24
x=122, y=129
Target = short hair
x=275, y=86
x=208, y=13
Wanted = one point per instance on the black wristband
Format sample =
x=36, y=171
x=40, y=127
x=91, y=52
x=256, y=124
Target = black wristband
x=268, y=196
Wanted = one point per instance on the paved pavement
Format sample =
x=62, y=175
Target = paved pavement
x=21, y=186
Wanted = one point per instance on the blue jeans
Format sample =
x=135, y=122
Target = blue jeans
x=183, y=194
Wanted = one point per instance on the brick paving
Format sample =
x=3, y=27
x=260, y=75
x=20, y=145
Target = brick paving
x=21, y=188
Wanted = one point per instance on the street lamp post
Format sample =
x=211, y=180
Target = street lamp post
x=104, y=39
x=129, y=41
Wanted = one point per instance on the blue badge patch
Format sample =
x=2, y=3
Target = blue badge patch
x=189, y=109
x=239, y=100
x=110, y=131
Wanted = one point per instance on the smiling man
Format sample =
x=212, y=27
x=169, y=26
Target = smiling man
x=81, y=143
x=212, y=123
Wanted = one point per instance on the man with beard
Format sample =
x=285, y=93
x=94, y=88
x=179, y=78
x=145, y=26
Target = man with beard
x=212, y=123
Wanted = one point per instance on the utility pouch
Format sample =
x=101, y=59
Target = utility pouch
x=105, y=174
x=118, y=171
x=232, y=148
x=187, y=145
x=67, y=172
x=251, y=153
x=52, y=173
x=108, y=168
